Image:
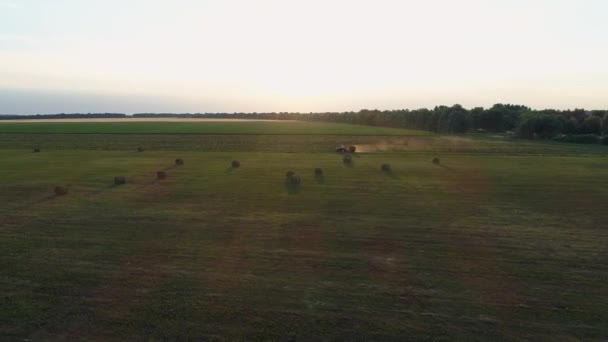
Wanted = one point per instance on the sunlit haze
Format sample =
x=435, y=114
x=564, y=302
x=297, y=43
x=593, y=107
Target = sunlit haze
x=313, y=55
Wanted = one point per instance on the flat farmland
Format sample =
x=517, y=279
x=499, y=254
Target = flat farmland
x=143, y=126
x=503, y=240
x=296, y=143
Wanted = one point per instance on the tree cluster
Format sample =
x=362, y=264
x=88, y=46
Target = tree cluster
x=500, y=118
x=577, y=125
x=62, y=116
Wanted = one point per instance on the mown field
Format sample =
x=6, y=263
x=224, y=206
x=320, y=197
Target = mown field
x=202, y=127
x=469, y=144
x=498, y=243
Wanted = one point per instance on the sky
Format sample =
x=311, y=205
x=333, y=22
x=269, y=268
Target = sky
x=66, y=56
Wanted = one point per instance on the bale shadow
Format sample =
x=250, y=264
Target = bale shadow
x=293, y=189
x=230, y=170
x=320, y=179
x=445, y=167
x=390, y=174
x=47, y=198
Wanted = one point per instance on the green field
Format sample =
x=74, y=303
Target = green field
x=202, y=127
x=469, y=144
x=505, y=240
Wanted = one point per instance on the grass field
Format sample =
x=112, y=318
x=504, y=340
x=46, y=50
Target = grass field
x=295, y=143
x=500, y=245
x=203, y=127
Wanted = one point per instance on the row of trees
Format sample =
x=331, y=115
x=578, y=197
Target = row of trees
x=500, y=118
x=549, y=124
x=62, y=116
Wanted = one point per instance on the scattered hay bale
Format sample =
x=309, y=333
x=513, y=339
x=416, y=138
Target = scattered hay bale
x=236, y=163
x=120, y=180
x=348, y=159
x=140, y=149
x=289, y=174
x=352, y=149
x=319, y=172
x=161, y=175
x=436, y=161
x=61, y=190
x=386, y=167
x=36, y=150
x=294, y=180
x=179, y=162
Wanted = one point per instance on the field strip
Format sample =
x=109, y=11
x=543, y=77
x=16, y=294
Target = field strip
x=130, y=119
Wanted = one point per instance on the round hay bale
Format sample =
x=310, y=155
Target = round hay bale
x=36, y=150
x=161, y=175
x=319, y=172
x=289, y=174
x=386, y=167
x=61, y=190
x=236, y=163
x=179, y=162
x=348, y=159
x=294, y=180
x=140, y=149
x=120, y=180
x=436, y=161
x=352, y=149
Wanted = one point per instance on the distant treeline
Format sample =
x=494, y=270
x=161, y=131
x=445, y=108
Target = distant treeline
x=62, y=116
x=577, y=125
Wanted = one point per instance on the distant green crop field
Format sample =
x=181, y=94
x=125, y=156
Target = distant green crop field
x=203, y=127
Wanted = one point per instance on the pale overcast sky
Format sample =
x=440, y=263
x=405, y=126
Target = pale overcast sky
x=309, y=55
